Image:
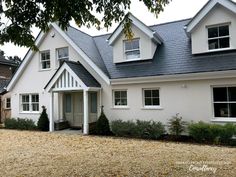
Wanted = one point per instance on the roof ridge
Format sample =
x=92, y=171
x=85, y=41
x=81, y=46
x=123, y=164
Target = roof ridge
x=175, y=21
x=81, y=31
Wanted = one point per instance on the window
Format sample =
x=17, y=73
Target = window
x=30, y=103
x=120, y=98
x=132, y=50
x=93, y=102
x=151, y=97
x=45, y=60
x=62, y=54
x=224, y=100
x=218, y=37
x=68, y=103
x=8, y=103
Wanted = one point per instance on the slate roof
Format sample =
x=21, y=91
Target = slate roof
x=83, y=74
x=3, y=84
x=4, y=61
x=172, y=57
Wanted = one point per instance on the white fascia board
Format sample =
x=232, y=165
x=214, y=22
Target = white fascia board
x=176, y=77
x=25, y=62
x=206, y=9
x=83, y=55
x=139, y=25
x=115, y=35
x=58, y=74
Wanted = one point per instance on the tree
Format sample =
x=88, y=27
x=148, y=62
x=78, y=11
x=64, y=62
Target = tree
x=43, y=122
x=102, y=124
x=21, y=15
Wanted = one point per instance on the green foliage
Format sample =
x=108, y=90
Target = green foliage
x=227, y=131
x=138, y=129
x=122, y=128
x=102, y=125
x=212, y=133
x=22, y=15
x=149, y=129
x=176, y=125
x=43, y=122
x=20, y=124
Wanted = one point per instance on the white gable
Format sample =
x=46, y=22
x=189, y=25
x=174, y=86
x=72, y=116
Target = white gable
x=65, y=79
x=140, y=25
x=228, y=4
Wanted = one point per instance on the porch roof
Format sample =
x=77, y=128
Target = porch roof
x=83, y=74
x=72, y=75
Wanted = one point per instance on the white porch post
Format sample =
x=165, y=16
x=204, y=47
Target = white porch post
x=51, y=119
x=86, y=115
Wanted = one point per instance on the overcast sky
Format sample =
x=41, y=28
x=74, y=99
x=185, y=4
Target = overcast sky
x=176, y=10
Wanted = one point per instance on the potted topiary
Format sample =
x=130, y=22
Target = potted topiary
x=43, y=122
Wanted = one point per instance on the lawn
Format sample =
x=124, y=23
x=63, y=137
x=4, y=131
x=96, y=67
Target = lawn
x=26, y=153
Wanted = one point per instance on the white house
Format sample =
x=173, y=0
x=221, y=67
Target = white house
x=186, y=67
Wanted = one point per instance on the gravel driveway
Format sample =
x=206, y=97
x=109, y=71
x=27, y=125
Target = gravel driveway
x=38, y=154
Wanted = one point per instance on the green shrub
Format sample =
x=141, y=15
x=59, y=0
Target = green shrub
x=121, y=128
x=203, y=132
x=149, y=129
x=138, y=129
x=212, y=133
x=10, y=123
x=227, y=132
x=43, y=122
x=102, y=125
x=20, y=124
x=176, y=126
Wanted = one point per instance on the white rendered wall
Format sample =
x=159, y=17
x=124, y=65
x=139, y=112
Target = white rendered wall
x=192, y=99
x=147, y=46
x=219, y=15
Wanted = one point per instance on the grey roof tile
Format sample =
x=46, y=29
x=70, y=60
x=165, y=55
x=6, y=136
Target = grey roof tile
x=173, y=56
x=87, y=44
x=83, y=74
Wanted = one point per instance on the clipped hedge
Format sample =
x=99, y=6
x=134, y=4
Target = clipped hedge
x=138, y=129
x=212, y=133
x=20, y=124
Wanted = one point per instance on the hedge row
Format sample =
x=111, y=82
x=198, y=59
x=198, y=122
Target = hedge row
x=200, y=132
x=20, y=124
x=212, y=133
x=138, y=129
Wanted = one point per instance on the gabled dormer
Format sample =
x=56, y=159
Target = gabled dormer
x=141, y=47
x=213, y=28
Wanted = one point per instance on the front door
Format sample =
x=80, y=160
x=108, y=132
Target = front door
x=78, y=109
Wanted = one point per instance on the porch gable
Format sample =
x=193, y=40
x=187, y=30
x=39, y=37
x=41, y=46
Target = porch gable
x=71, y=76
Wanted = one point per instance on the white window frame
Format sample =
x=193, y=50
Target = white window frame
x=113, y=98
x=6, y=103
x=221, y=119
x=151, y=106
x=30, y=103
x=41, y=61
x=125, y=51
x=62, y=58
x=219, y=37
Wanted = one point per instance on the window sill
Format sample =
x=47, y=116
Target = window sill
x=223, y=119
x=120, y=107
x=8, y=109
x=152, y=108
x=221, y=49
x=28, y=112
x=42, y=70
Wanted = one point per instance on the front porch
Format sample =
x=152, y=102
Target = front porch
x=75, y=96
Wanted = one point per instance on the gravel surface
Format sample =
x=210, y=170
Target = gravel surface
x=25, y=153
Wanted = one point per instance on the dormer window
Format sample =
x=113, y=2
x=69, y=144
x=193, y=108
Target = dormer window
x=218, y=37
x=132, y=50
x=62, y=54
